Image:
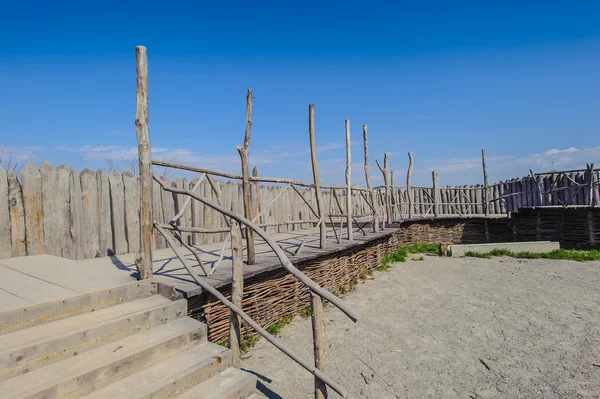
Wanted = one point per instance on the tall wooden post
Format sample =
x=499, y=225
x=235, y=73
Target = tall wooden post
x=591, y=200
x=393, y=201
x=436, y=196
x=408, y=187
x=255, y=199
x=486, y=195
x=386, y=180
x=348, y=182
x=246, y=178
x=368, y=179
x=144, y=257
x=315, y=169
x=319, y=344
x=237, y=291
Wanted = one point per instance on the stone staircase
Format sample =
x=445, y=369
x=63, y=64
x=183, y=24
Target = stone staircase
x=125, y=342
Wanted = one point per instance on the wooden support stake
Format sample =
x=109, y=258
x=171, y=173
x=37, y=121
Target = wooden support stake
x=393, y=200
x=486, y=194
x=591, y=190
x=348, y=182
x=319, y=344
x=237, y=292
x=246, y=178
x=408, y=187
x=143, y=259
x=436, y=196
x=368, y=179
x=386, y=180
x=315, y=169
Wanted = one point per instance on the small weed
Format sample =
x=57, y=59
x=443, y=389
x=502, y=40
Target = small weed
x=306, y=312
x=419, y=258
x=274, y=328
x=247, y=342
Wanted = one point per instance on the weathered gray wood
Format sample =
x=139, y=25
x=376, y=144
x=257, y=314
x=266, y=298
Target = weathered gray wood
x=208, y=212
x=315, y=169
x=131, y=187
x=368, y=180
x=386, y=179
x=318, y=328
x=53, y=219
x=196, y=209
x=237, y=292
x=157, y=212
x=76, y=212
x=144, y=258
x=117, y=199
x=63, y=177
x=89, y=200
x=250, y=251
x=436, y=206
x=5, y=238
x=486, y=194
x=408, y=186
x=104, y=214
x=31, y=185
x=348, y=181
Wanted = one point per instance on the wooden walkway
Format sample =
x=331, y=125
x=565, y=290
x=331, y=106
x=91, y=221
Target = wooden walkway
x=42, y=278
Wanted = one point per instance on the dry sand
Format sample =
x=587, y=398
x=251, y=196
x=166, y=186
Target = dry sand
x=454, y=328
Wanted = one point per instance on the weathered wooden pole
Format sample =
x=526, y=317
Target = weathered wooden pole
x=255, y=200
x=539, y=200
x=246, y=178
x=393, y=200
x=436, y=196
x=143, y=259
x=319, y=344
x=315, y=169
x=486, y=195
x=237, y=291
x=591, y=190
x=386, y=180
x=408, y=187
x=368, y=179
x=348, y=182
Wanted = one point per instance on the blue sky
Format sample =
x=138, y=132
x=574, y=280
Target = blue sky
x=441, y=80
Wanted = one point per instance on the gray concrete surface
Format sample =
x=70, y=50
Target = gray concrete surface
x=455, y=328
x=531, y=246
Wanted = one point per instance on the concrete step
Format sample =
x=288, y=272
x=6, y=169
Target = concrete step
x=25, y=350
x=171, y=376
x=230, y=383
x=99, y=367
x=26, y=317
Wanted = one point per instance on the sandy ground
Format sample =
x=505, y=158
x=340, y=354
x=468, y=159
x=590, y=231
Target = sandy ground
x=454, y=328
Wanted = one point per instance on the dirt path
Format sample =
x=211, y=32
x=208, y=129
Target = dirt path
x=455, y=328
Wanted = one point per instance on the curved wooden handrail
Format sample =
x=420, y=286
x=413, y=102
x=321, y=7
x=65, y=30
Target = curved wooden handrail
x=285, y=262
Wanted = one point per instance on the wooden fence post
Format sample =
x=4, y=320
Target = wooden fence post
x=393, y=201
x=368, y=179
x=237, y=291
x=315, y=169
x=246, y=178
x=408, y=187
x=539, y=200
x=386, y=180
x=319, y=344
x=436, y=209
x=348, y=182
x=486, y=195
x=591, y=197
x=144, y=257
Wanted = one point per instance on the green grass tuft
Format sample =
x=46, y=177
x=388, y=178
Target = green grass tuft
x=401, y=254
x=578, y=255
x=274, y=328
